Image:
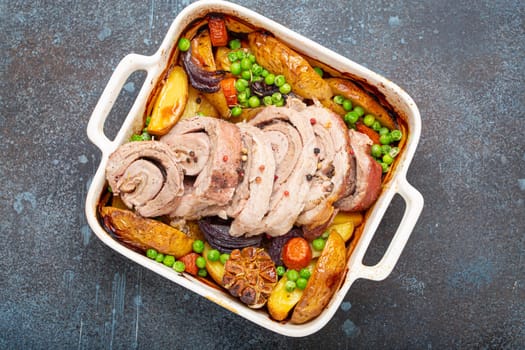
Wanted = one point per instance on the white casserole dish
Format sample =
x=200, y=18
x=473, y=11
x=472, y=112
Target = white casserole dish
x=156, y=64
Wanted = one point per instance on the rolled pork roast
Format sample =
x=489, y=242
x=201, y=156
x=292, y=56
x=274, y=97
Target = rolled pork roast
x=289, y=166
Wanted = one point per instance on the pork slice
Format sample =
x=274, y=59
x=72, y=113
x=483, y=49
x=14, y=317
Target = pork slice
x=216, y=182
x=368, y=175
x=146, y=176
x=259, y=173
x=288, y=195
x=335, y=174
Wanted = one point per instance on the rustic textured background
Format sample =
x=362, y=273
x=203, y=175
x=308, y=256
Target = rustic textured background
x=460, y=282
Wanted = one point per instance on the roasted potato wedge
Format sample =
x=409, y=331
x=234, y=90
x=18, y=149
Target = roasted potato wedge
x=142, y=233
x=345, y=229
x=281, y=301
x=343, y=216
x=280, y=59
x=170, y=103
x=324, y=280
x=198, y=104
x=361, y=98
x=214, y=268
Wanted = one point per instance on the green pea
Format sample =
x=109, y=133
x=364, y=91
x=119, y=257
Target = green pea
x=318, y=244
x=347, y=105
x=325, y=235
x=246, y=74
x=242, y=96
x=136, y=137
x=385, y=139
x=202, y=272
x=214, y=255
x=252, y=58
x=179, y=266
x=394, y=152
x=224, y=257
x=387, y=159
x=276, y=97
x=301, y=283
x=359, y=110
x=279, y=103
x=257, y=69
x=384, y=131
x=264, y=73
x=246, y=63
x=385, y=149
x=148, y=120
x=269, y=79
x=384, y=166
x=254, y=102
x=289, y=286
x=235, y=44
x=319, y=71
x=351, y=117
x=240, y=54
x=396, y=135
x=159, y=258
x=232, y=57
x=285, y=89
x=151, y=253
x=339, y=99
x=376, y=126
x=236, y=111
x=369, y=120
x=198, y=246
x=241, y=85
x=279, y=80
x=184, y=44
x=280, y=270
x=292, y=275
x=200, y=262
x=376, y=150
x=305, y=273
x=267, y=100
x=235, y=68
x=169, y=260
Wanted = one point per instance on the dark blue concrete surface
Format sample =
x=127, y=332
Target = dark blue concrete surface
x=460, y=282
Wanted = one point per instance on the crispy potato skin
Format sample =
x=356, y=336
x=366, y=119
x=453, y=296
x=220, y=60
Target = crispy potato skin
x=359, y=97
x=142, y=233
x=324, y=280
x=280, y=59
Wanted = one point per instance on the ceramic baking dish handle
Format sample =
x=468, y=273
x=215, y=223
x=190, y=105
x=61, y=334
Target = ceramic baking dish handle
x=414, y=205
x=127, y=66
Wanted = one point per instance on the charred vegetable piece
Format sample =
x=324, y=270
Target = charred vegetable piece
x=278, y=58
x=277, y=244
x=217, y=233
x=361, y=98
x=218, y=31
x=143, y=234
x=324, y=280
x=200, y=64
x=297, y=253
x=250, y=275
x=170, y=103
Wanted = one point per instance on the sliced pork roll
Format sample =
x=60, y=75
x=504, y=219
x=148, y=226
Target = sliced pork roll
x=368, y=175
x=335, y=172
x=293, y=142
x=259, y=175
x=146, y=176
x=215, y=181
